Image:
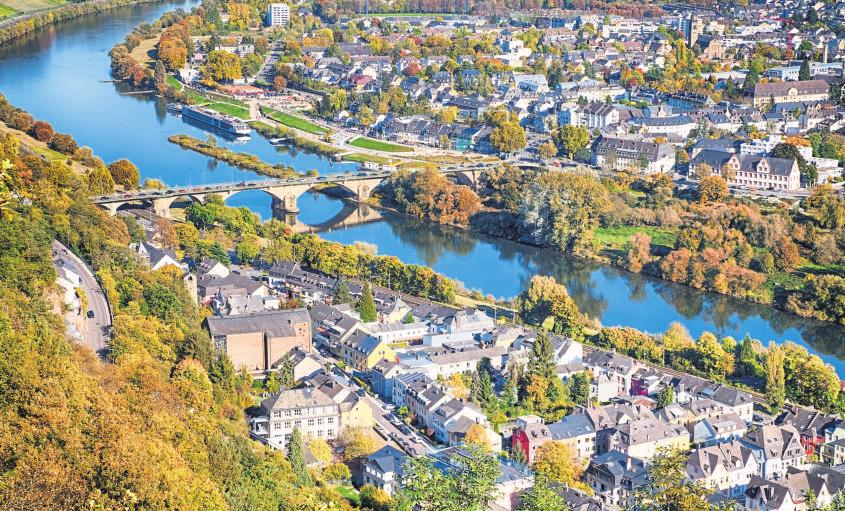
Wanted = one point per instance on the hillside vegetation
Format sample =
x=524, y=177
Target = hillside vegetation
x=160, y=425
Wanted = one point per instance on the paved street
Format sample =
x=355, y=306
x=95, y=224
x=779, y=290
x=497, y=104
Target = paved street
x=95, y=330
x=410, y=443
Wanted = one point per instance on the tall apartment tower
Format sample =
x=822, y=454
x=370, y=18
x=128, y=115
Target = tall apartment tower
x=278, y=14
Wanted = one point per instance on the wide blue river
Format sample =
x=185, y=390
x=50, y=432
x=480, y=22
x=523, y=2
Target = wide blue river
x=62, y=74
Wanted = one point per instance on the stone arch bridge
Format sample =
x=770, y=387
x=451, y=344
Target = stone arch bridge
x=284, y=192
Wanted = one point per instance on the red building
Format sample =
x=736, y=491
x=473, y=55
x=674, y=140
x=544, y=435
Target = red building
x=529, y=435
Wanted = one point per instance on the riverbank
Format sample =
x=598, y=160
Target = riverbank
x=244, y=161
x=32, y=22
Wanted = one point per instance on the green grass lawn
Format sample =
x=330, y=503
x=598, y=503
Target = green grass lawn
x=293, y=121
x=361, y=158
x=617, y=237
x=378, y=145
x=220, y=104
x=32, y=5
x=6, y=11
x=238, y=111
x=349, y=494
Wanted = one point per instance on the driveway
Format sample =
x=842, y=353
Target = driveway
x=95, y=331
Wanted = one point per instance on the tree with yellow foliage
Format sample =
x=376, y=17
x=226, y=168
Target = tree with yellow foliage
x=557, y=463
x=477, y=434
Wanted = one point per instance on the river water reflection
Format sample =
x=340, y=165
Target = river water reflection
x=61, y=75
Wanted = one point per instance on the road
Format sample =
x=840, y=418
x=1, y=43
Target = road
x=410, y=443
x=96, y=330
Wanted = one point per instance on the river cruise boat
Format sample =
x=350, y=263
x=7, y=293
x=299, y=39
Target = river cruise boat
x=216, y=120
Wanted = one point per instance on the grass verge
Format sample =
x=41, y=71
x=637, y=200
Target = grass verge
x=292, y=121
x=378, y=145
x=617, y=237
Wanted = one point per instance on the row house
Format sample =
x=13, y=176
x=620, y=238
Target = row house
x=777, y=449
x=576, y=431
x=644, y=439
x=726, y=468
x=791, y=493
x=614, y=370
x=815, y=427
x=615, y=477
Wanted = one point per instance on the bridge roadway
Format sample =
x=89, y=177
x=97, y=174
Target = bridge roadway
x=284, y=192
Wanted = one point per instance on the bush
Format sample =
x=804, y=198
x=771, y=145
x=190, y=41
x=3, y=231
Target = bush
x=64, y=144
x=42, y=131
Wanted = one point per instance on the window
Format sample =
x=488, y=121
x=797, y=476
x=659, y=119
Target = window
x=287, y=424
x=310, y=422
x=297, y=412
x=297, y=424
x=320, y=421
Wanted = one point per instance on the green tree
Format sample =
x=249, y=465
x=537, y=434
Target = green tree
x=285, y=373
x=775, y=378
x=160, y=78
x=247, y=249
x=481, y=390
x=579, y=388
x=666, y=396
x=570, y=139
x=804, y=71
x=222, y=66
x=541, y=497
x=271, y=384
x=561, y=210
x=342, y=294
x=367, y=306
x=296, y=458
x=668, y=488
x=508, y=138
x=467, y=486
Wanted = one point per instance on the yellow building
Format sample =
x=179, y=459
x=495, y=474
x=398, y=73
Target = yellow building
x=363, y=351
x=643, y=439
x=355, y=411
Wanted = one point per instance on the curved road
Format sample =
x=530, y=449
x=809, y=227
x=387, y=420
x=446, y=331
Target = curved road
x=96, y=330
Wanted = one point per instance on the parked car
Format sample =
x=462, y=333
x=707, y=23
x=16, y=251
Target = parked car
x=90, y=314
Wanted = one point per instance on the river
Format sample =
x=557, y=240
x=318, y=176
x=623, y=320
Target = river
x=61, y=75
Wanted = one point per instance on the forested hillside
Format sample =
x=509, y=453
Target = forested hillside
x=160, y=425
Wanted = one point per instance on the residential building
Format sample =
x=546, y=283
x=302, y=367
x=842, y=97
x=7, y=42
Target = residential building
x=614, y=477
x=777, y=448
x=815, y=427
x=278, y=14
x=788, y=493
x=384, y=469
x=643, y=439
x=529, y=435
x=633, y=153
x=576, y=431
x=311, y=411
x=363, y=351
x=258, y=342
x=726, y=468
x=790, y=92
x=751, y=171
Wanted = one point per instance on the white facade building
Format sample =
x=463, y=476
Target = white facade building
x=278, y=15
